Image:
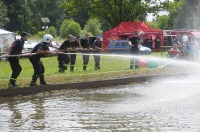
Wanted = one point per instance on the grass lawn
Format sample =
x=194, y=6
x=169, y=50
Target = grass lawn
x=111, y=67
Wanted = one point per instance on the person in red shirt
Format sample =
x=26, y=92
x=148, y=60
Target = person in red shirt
x=174, y=51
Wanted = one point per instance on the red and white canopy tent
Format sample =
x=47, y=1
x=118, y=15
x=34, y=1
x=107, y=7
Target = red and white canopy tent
x=127, y=29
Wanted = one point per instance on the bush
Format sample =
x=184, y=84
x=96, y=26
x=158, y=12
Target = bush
x=52, y=30
x=69, y=26
x=40, y=34
x=93, y=26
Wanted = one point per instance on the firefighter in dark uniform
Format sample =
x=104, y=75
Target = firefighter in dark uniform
x=40, y=49
x=64, y=59
x=14, y=49
x=134, y=50
x=85, y=44
x=74, y=45
x=97, y=45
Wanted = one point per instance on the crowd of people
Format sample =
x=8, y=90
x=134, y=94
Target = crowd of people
x=66, y=55
x=184, y=46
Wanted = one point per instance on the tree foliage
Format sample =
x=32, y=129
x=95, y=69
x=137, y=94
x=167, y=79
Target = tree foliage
x=19, y=15
x=50, y=9
x=52, y=30
x=93, y=26
x=69, y=26
x=115, y=11
x=153, y=24
x=164, y=22
x=3, y=15
x=175, y=11
x=184, y=14
x=25, y=15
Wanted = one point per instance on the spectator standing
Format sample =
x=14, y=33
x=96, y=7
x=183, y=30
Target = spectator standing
x=134, y=50
x=97, y=45
x=15, y=49
x=40, y=49
x=179, y=38
x=191, y=48
x=148, y=42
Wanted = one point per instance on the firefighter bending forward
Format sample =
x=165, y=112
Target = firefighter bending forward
x=15, y=49
x=40, y=49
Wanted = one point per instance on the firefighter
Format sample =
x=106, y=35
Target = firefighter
x=64, y=59
x=14, y=49
x=85, y=44
x=97, y=45
x=40, y=49
x=74, y=45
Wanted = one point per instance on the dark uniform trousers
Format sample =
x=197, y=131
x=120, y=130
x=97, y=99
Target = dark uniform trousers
x=134, y=60
x=97, y=60
x=16, y=69
x=38, y=70
x=72, y=61
x=85, y=60
x=63, y=61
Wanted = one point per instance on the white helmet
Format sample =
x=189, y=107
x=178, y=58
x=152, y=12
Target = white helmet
x=47, y=38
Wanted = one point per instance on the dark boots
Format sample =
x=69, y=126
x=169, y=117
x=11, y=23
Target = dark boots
x=84, y=68
x=97, y=68
x=71, y=68
x=34, y=80
x=131, y=66
x=42, y=81
x=62, y=69
x=136, y=66
x=12, y=83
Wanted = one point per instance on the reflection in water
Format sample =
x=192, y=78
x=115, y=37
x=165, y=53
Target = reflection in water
x=15, y=120
x=163, y=105
x=38, y=118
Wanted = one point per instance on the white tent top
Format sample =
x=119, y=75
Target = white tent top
x=4, y=32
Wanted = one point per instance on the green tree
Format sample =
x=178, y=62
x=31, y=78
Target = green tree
x=25, y=15
x=115, y=11
x=93, y=26
x=52, y=30
x=184, y=14
x=39, y=34
x=3, y=15
x=164, y=22
x=187, y=15
x=19, y=15
x=175, y=9
x=153, y=24
x=47, y=8
x=81, y=16
x=69, y=26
